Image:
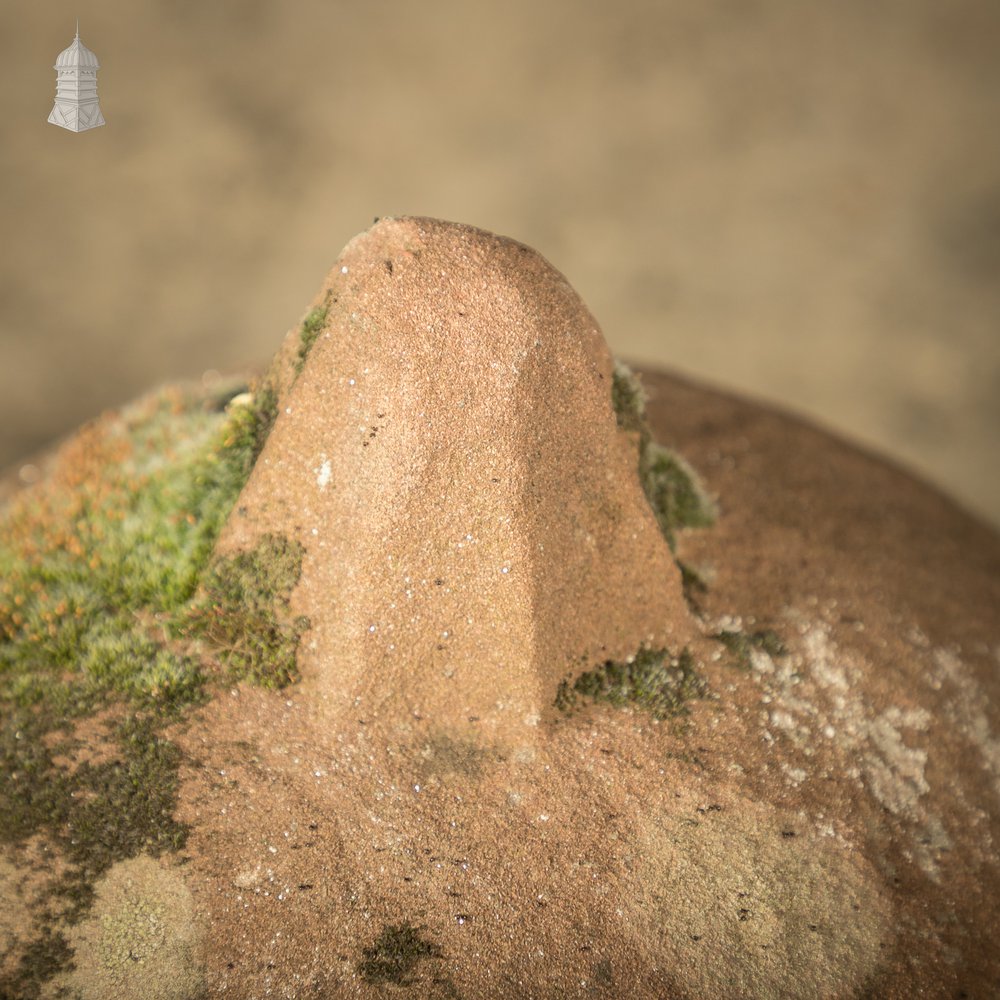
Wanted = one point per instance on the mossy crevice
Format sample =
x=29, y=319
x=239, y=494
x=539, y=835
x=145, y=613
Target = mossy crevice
x=92, y=814
x=652, y=680
x=672, y=487
x=244, y=614
x=312, y=326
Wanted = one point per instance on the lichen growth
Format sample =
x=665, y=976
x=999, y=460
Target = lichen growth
x=736, y=908
x=394, y=954
x=651, y=680
x=672, y=487
x=140, y=941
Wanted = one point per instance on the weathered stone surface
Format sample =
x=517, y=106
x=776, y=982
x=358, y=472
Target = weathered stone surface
x=823, y=822
x=449, y=458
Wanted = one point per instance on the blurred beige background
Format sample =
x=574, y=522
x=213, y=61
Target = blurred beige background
x=797, y=200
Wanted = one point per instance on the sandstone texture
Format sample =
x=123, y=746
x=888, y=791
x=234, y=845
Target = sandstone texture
x=448, y=456
x=416, y=811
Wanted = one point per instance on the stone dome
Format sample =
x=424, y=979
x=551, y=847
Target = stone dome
x=77, y=56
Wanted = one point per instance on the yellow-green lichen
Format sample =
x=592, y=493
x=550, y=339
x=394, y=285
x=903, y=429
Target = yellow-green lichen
x=91, y=814
x=742, y=900
x=140, y=940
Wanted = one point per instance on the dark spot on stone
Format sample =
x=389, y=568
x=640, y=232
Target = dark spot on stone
x=394, y=954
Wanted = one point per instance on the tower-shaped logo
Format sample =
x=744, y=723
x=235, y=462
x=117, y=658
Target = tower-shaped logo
x=76, y=106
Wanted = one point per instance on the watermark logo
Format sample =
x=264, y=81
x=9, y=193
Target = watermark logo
x=76, y=106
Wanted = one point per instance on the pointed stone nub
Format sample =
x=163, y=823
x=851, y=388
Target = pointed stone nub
x=448, y=456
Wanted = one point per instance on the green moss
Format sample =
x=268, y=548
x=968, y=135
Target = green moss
x=672, y=487
x=651, y=680
x=95, y=814
x=250, y=423
x=45, y=957
x=98, y=564
x=244, y=614
x=674, y=492
x=628, y=400
x=311, y=328
x=127, y=803
x=394, y=954
x=102, y=568
x=742, y=645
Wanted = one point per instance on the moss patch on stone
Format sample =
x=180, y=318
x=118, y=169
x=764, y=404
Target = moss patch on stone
x=98, y=562
x=244, y=616
x=652, y=680
x=92, y=814
x=742, y=644
x=103, y=566
x=672, y=487
x=310, y=329
x=628, y=400
x=126, y=804
x=394, y=954
x=253, y=416
x=46, y=956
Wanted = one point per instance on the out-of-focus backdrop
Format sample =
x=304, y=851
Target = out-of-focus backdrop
x=797, y=200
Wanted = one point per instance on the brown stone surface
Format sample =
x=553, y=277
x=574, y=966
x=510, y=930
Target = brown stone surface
x=449, y=458
x=823, y=825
